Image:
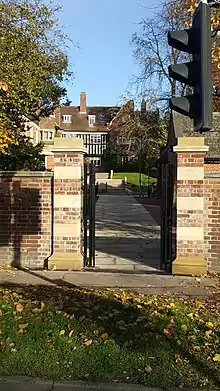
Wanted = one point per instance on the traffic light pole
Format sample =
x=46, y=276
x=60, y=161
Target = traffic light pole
x=197, y=73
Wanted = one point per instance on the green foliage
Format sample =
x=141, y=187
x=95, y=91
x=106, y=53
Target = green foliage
x=145, y=132
x=112, y=158
x=22, y=155
x=32, y=60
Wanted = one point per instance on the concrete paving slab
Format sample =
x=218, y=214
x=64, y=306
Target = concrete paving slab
x=23, y=383
x=126, y=231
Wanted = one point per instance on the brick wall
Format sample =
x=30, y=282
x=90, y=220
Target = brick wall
x=212, y=167
x=41, y=212
x=25, y=218
x=212, y=220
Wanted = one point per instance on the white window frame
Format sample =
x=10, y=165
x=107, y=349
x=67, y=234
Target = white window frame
x=95, y=139
x=67, y=119
x=91, y=119
x=96, y=160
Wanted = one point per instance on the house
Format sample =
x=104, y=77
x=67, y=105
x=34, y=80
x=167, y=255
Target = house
x=90, y=123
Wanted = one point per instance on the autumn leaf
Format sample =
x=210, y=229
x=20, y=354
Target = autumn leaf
x=71, y=333
x=42, y=305
x=216, y=358
x=88, y=342
x=19, y=307
x=210, y=325
x=23, y=326
x=96, y=332
x=184, y=327
x=140, y=307
x=61, y=333
x=208, y=333
x=1, y=312
x=104, y=336
x=148, y=369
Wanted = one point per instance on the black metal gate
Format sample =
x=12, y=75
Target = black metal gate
x=89, y=202
x=167, y=178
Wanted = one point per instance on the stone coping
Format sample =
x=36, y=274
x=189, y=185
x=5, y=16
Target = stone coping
x=26, y=174
x=213, y=175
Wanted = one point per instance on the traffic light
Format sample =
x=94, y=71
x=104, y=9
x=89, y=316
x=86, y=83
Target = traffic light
x=197, y=73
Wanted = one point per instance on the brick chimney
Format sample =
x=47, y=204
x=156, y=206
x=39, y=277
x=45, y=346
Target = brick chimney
x=83, y=103
x=143, y=106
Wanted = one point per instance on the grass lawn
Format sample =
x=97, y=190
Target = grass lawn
x=133, y=178
x=66, y=333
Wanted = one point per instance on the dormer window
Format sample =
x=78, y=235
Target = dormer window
x=67, y=119
x=91, y=119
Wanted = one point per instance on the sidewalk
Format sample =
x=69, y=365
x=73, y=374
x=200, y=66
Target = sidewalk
x=22, y=383
x=143, y=283
x=127, y=236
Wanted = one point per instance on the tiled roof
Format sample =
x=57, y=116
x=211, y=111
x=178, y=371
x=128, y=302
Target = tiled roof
x=79, y=121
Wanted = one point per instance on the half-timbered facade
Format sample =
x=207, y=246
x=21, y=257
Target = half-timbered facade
x=89, y=123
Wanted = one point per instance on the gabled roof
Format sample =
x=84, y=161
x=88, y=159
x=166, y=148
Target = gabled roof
x=79, y=121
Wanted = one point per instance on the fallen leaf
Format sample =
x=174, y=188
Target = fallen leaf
x=42, y=305
x=184, y=327
x=210, y=325
x=96, y=332
x=71, y=333
x=1, y=313
x=19, y=307
x=208, y=333
x=89, y=342
x=104, y=336
x=20, y=331
x=140, y=307
x=216, y=358
x=62, y=332
x=148, y=369
x=23, y=326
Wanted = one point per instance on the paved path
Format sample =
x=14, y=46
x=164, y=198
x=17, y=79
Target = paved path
x=127, y=237
x=143, y=283
x=23, y=383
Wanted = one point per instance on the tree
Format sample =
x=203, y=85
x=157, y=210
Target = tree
x=139, y=133
x=152, y=53
x=22, y=155
x=112, y=158
x=33, y=61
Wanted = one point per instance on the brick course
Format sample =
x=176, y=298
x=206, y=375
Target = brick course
x=212, y=222
x=25, y=218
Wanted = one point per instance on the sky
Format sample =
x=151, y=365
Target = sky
x=103, y=65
